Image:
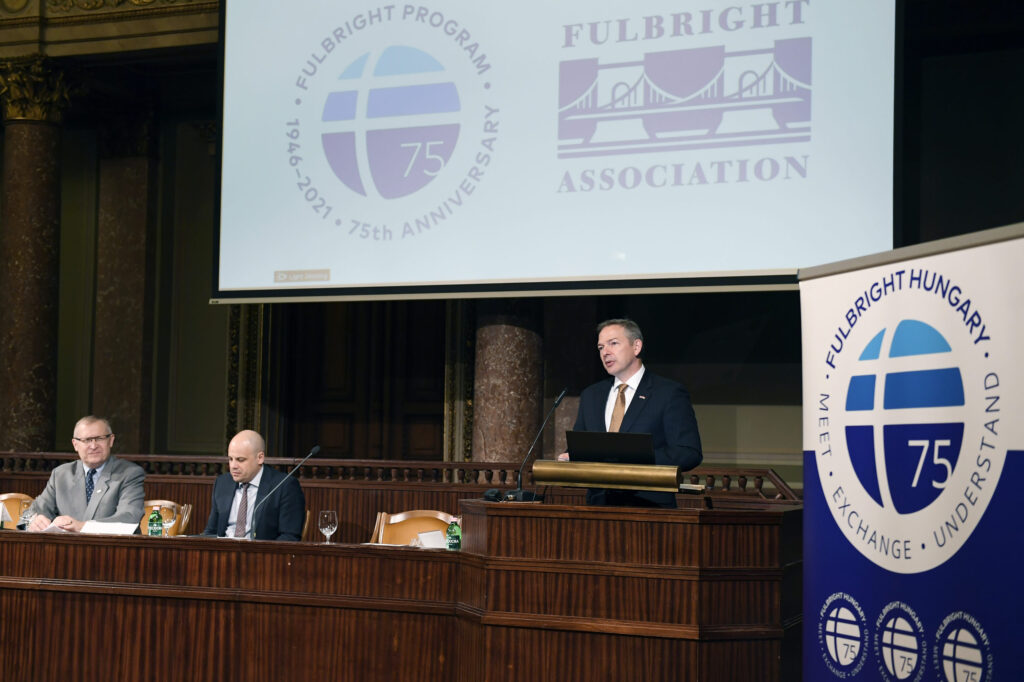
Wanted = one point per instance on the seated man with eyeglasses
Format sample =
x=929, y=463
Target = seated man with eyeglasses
x=98, y=487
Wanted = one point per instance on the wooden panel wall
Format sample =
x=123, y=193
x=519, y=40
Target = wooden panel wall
x=363, y=377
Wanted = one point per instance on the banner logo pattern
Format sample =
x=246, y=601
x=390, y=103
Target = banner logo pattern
x=908, y=410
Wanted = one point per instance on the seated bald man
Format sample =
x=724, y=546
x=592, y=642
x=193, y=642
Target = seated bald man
x=98, y=487
x=246, y=486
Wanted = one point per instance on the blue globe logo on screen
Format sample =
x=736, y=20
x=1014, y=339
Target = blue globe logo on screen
x=393, y=124
x=913, y=387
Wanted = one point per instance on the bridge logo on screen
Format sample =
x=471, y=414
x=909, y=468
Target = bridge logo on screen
x=908, y=420
x=401, y=87
x=695, y=98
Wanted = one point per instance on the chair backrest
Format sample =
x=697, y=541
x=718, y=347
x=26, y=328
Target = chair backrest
x=13, y=502
x=183, y=512
x=402, y=528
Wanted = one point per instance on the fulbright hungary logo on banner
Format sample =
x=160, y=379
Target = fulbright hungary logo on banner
x=910, y=379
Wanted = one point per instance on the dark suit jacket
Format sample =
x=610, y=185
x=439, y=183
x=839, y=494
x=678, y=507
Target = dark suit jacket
x=660, y=407
x=281, y=517
x=117, y=496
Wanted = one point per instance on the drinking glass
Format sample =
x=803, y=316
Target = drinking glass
x=169, y=515
x=328, y=524
x=23, y=518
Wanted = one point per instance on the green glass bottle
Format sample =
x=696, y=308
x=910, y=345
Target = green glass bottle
x=156, y=522
x=454, y=535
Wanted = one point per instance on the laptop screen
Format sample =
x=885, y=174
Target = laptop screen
x=611, y=448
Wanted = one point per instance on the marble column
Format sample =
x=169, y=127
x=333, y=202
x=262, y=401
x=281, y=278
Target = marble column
x=32, y=95
x=122, y=384
x=508, y=385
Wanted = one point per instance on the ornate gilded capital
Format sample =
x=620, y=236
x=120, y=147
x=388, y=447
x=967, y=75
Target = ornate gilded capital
x=32, y=89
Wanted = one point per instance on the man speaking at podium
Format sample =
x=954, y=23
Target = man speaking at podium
x=634, y=400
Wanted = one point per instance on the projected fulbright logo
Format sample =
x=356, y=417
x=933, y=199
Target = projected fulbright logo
x=395, y=122
x=400, y=159
x=908, y=420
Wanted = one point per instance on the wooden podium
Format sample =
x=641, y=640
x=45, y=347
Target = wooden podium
x=600, y=593
x=539, y=592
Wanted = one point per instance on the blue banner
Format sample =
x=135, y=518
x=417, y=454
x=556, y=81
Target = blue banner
x=913, y=454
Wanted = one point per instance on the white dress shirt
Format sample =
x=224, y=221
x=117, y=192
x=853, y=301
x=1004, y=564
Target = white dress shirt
x=254, y=486
x=632, y=382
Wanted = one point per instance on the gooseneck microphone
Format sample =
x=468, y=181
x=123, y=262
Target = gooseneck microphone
x=252, y=529
x=520, y=495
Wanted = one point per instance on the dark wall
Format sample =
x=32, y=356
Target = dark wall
x=961, y=161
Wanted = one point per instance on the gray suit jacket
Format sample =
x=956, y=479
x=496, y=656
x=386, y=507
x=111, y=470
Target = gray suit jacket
x=117, y=495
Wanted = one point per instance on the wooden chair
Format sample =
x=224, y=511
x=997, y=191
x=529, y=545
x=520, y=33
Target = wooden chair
x=13, y=502
x=402, y=528
x=183, y=512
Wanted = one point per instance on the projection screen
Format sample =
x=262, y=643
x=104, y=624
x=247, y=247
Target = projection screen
x=454, y=148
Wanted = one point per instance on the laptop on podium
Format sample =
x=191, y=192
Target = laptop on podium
x=610, y=448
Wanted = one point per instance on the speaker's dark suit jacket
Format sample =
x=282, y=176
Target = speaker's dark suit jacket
x=279, y=518
x=660, y=407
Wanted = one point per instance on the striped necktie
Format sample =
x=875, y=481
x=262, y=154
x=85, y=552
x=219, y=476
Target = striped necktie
x=243, y=512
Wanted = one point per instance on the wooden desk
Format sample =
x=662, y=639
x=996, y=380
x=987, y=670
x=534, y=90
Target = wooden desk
x=542, y=592
x=139, y=608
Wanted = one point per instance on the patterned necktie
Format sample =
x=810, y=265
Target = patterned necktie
x=243, y=512
x=619, y=411
x=90, y=483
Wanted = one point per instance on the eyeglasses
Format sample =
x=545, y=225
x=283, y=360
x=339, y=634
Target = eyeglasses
x=94, y=439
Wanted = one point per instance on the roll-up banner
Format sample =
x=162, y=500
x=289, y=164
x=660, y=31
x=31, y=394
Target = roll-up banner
x=913, y=377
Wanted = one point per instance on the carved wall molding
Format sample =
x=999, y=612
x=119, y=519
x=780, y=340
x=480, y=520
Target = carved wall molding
x=14, y=6
x=458, y=381
x=33, y=89
x=245, y=368
x=209, y=132
x=64, y=28
x=91, y=5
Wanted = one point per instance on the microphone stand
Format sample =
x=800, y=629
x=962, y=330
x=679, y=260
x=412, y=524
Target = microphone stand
x=252, y=529
x=520, y=495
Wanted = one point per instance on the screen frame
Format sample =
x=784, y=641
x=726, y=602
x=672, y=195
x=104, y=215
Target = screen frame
x=749, y=280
